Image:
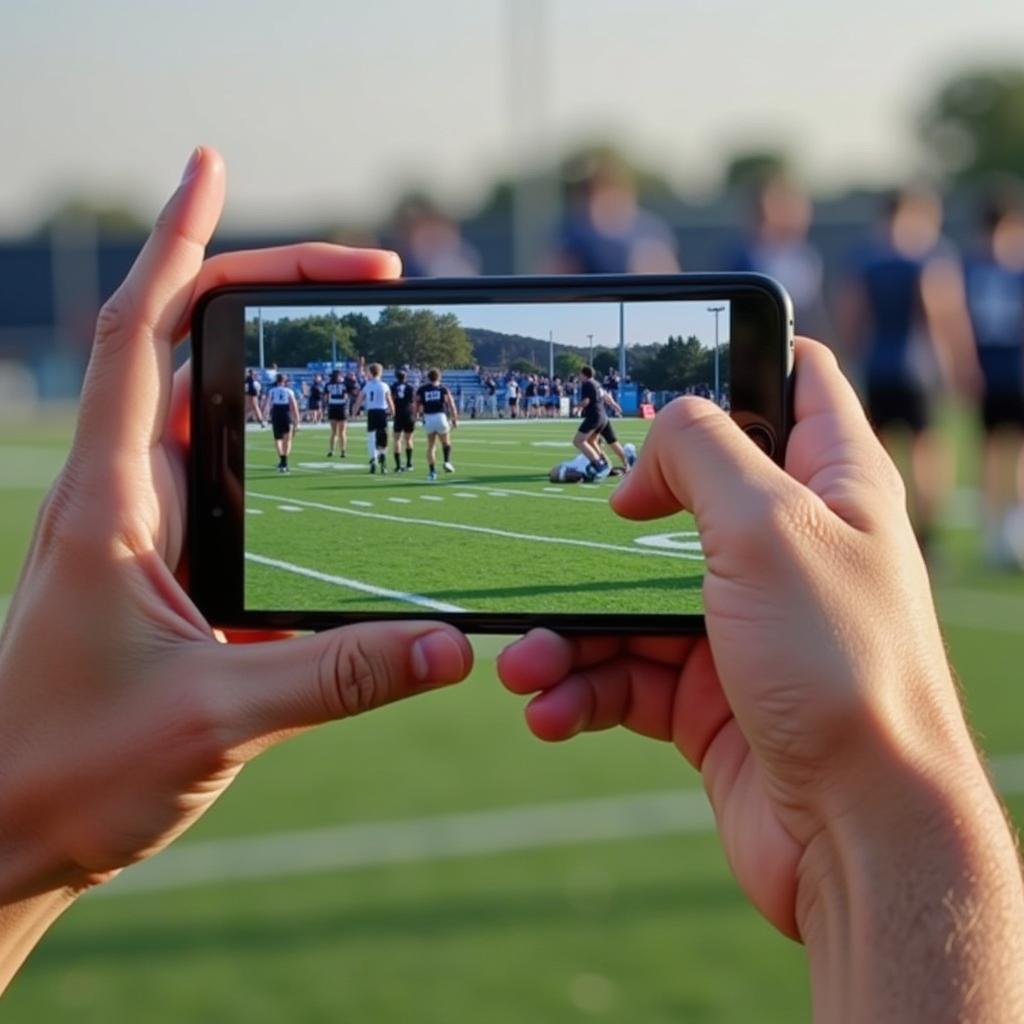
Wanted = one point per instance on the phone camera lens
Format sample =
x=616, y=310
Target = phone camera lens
x=762, y=437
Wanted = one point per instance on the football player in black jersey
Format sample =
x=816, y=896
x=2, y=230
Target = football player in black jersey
x=405, y=420
x=316, y=395
x=595, y=419
x=434, y=403
x=252, y=398
x=284, y=418
x=337, y=413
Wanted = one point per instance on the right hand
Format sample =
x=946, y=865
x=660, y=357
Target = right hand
x=820, y=705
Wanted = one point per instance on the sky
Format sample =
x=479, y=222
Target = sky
x=330, y=108
x=569, y=322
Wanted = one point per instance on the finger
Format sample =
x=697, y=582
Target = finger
x=832, y=448
x=272, y=689
x=127, y=386
x=623, y=691
x=542, y=658
x=286, y=264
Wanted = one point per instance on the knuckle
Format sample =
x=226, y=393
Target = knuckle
x=352, y=677
x=111, y=321
x=203, y=735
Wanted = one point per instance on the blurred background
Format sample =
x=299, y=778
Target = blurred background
x=870, y=162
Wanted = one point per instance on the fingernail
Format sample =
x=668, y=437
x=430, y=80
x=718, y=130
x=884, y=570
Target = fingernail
x=193, y=164
x=437, y=658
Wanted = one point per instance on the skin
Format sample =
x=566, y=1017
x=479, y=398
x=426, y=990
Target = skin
x=119, y=734
x=819, y=709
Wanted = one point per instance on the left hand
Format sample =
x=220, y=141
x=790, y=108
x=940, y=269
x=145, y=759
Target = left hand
x=122, y=719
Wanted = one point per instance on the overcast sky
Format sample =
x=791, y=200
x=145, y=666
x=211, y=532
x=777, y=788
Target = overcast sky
x=331, y=106
x=569, y=322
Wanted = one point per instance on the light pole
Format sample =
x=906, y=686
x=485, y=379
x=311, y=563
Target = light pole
x=334, y=339
x=259, y=322
x=551, y=355
x=591, y=339
x=717, y=310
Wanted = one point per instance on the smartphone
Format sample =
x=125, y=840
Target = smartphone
x=488, y=506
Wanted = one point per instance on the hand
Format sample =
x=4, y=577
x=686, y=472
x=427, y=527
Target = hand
x=123, y=719
x=819, y=709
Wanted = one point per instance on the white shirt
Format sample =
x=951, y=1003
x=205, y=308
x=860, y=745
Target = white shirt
x=280, y=395
x=580, y=463
x=375, y=395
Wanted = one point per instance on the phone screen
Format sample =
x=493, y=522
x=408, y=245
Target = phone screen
x=453, y=458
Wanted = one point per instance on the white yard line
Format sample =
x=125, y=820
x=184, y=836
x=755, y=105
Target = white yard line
x=547, y=492
x=491, y=531
x=401, y=501
x=349, y=584
x=444, y=837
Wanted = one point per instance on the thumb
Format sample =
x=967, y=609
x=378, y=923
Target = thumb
x=128, y=382
x=272, y=689
x=696, y=458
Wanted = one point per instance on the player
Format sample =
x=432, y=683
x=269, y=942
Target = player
x=284, y=418
x=336, y=396
x=995, y=300
x=512, y=396
x=574, y=471
x=380, y=406
x=316, y=395
x=595, y=419
x=252, y=397
x=405, y=420
x=434, y=403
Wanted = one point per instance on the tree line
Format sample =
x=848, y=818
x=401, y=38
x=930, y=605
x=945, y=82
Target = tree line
x=419, y=337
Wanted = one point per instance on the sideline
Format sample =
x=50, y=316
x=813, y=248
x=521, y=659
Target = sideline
x=444, y=837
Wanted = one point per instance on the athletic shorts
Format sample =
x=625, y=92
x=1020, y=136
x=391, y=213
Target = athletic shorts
x=404, y=424
x=899, y=403
x=376, y=419
x=436, y=423
x=592, y=424
x=337, y=411
x=609, y=434
x=513, y=402
x=1002, y=408
x=281, y=421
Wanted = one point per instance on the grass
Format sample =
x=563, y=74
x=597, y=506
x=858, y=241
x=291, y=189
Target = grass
x=495, y=536
x=648, y=929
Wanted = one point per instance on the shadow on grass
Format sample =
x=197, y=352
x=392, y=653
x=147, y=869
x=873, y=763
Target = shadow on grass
x=660, y=584
x=248, y=929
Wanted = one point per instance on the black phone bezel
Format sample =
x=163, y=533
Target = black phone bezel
x=761, y=363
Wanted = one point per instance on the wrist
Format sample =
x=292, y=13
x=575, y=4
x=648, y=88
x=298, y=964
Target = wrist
x=912, y=907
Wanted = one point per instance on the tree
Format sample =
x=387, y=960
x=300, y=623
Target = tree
x=524, y=366
x=299, y=341
x=419, y=337
x=679, y=363
x=973, y=124
x=605, y=359
x=751, y=168
x=568, y=364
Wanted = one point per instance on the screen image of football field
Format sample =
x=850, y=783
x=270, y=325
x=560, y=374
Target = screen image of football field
x=495, y=530
x=494, y=536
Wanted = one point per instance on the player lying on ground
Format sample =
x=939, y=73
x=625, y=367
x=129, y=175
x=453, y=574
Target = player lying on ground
x=820, y=708
x=380, y=406
x=337, y=414
x=434, y=403
x=405, y=420
x=574, y=471
x=284, y=418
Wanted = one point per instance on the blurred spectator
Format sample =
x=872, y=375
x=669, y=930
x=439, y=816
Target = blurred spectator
x=995, y=298
x=431, y=244
x=777, y=245
x=606, y=231
x=904, y=313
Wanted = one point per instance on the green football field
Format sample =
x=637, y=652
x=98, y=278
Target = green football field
x=495, y=536
x=432, y=862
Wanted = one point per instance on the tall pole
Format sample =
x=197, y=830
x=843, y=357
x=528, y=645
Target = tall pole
x=717, y=310
x=622, y=341
x=334, y=340
x=259, y=321
x=591, y=337
x=551, y=354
